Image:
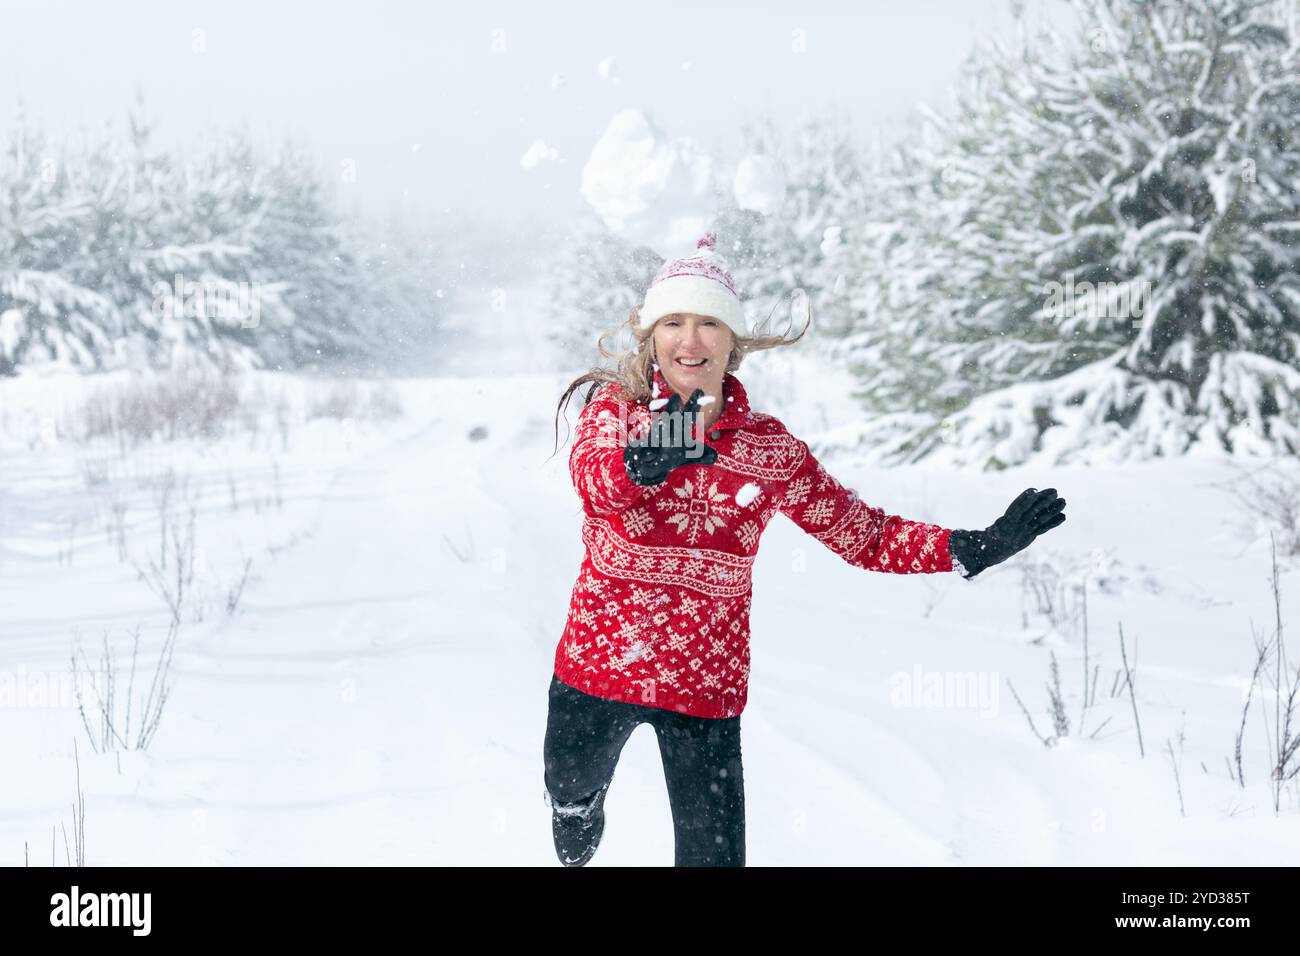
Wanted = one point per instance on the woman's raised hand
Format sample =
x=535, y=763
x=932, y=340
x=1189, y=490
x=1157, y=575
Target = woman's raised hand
x=1032, y=513
x=664, y=448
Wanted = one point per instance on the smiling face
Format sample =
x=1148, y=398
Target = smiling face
x=692, y=351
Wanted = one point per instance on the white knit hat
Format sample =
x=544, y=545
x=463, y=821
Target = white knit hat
x=699, y=284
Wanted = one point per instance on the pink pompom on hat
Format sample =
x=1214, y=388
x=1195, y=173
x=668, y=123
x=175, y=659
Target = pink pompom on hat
x=699, y=284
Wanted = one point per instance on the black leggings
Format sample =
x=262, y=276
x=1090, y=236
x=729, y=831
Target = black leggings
x=701, y=758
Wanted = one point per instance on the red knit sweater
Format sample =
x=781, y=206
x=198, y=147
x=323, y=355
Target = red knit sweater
x=659, y=615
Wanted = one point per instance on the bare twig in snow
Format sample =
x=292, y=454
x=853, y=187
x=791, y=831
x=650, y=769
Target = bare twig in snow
x=1128, y=678
x=1025, y=711
x=1177, y=780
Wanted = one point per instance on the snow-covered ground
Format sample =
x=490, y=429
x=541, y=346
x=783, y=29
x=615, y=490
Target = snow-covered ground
x=378, y=694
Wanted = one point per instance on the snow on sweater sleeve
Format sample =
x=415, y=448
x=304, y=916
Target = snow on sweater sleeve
x=596, y=462
x=864, y=536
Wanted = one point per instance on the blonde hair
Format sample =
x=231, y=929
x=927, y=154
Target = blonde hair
x=634, y=369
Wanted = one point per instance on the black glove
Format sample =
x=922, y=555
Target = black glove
x=649, y=462
x=1032, y=513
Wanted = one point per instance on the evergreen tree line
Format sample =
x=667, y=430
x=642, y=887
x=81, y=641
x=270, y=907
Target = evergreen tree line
x=115, y=253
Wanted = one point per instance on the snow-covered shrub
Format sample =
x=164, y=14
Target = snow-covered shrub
x=107, y=718
x=1055, y=707
x=1274, y=676
x=383, y=402
x=1054, y=586
x=1049, y=592
x=190, y=401
x=348, y=400
x=1271, y=496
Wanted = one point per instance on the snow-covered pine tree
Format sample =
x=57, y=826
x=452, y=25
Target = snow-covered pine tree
x=189, y=278
x=49, y=312
x=596, y=279
x=299, y=257
x=1095, y=252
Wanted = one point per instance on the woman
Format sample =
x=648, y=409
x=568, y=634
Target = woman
x=678, y=477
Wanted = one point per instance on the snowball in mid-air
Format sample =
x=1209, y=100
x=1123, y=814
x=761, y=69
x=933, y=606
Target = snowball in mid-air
x=537, y=154
x=650, y=190
x=608, y=69
x=747, y=494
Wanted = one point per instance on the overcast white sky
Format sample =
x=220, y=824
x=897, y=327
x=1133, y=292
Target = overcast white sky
x=416, y=97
